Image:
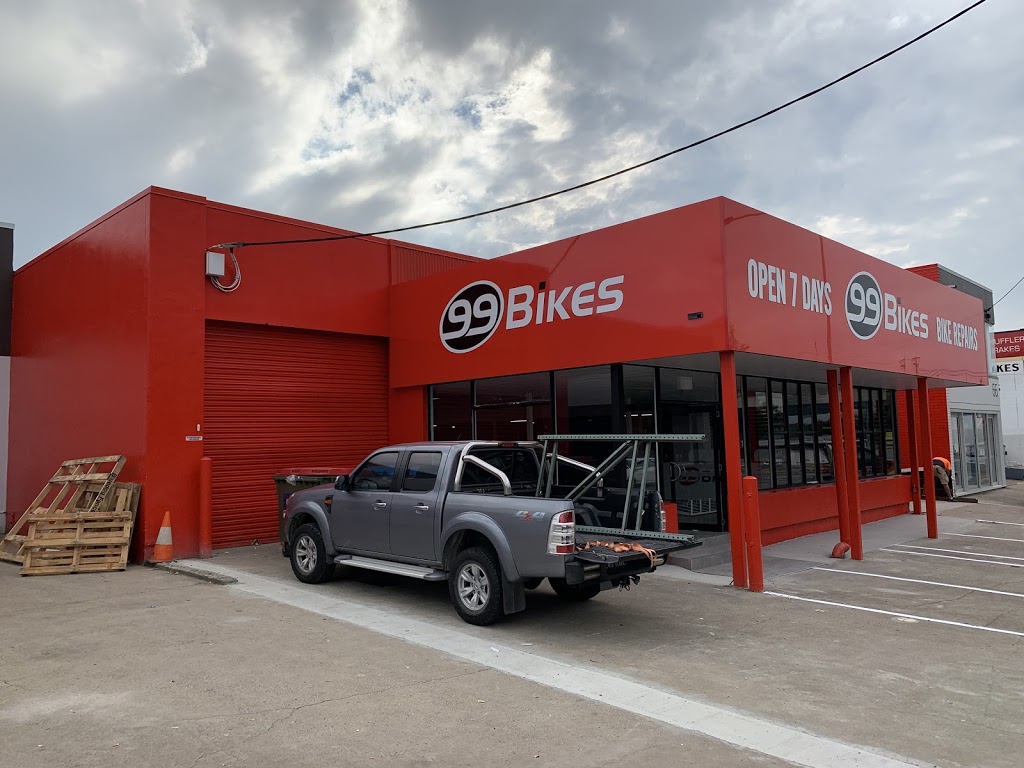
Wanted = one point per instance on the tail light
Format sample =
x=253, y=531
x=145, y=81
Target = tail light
x=562, y=537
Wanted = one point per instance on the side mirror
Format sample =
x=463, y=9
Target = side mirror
x=341, y=483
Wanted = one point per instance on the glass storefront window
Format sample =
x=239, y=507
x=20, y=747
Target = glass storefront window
x=452, y=410
x=984, y=476
x=513, y=407
x=970, y=452
x=809, y=451
x=583, y=406
x=995, y=449
x=957, y=458
x=689, y=386
x=638, y=400
x=757, y=426
x=780, y=441
x=889, y=426
x=875, y=417
x=823, y=418
x=740, y=400
x=530, y=388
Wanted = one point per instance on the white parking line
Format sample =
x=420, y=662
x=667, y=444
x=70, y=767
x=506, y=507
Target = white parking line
x=993, y=538
x=954, y=557
x=900, y=615
x=958, y=552
x=998, y=522
x=919, y=581
x=731, y=726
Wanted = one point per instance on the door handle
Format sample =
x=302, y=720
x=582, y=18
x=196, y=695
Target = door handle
x=420, y=508
x=380, y=505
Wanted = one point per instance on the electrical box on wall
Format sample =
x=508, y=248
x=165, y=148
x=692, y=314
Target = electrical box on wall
x=215, y=264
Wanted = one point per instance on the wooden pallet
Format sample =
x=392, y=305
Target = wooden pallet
x=83, y=541
x=76, y=483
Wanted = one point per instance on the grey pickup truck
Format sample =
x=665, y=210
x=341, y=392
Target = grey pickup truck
x=493, y=519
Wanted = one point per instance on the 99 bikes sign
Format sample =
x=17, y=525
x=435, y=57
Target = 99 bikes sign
x=477, y=310
x=868, y=308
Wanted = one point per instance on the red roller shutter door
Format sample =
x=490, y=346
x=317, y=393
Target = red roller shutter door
x=277, y=398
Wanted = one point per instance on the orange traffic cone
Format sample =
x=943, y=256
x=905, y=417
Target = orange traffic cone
x=162, y=550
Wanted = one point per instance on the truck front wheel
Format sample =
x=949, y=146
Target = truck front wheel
x=309, y=555
x=474, y=583
x=575, y=592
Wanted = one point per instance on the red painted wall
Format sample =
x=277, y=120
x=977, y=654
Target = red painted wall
x=787, y=514
x=79, y=341
x=109, y=331
x=785, y=318
x=670, y=265
x=407, y=415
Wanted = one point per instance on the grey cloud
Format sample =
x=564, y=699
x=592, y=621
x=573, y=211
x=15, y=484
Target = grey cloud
x=899, y=159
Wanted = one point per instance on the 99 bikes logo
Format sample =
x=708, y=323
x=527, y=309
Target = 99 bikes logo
x=475, y=313
x=868, y=308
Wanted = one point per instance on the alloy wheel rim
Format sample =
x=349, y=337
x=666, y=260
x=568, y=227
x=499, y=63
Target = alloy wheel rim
x=305, y=554
x=474, y=587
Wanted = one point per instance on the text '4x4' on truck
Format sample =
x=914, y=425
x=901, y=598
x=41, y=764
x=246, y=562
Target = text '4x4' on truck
x=492, y=519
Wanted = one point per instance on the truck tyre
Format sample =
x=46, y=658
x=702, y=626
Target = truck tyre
x=474, y=583
x=576, y=593
x=309, y=556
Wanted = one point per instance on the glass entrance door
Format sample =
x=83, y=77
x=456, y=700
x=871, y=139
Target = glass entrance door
x=691, y=473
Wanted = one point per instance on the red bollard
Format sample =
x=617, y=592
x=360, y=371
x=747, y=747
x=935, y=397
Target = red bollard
x=752, y=529
x=206, y=507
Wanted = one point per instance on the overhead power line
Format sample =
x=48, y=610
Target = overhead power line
x=1005, y=294
x=623, y=171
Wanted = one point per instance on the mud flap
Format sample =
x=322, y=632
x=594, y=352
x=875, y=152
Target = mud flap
x=513, y=595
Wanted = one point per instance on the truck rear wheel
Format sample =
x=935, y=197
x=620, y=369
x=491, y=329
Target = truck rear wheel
x=577, y=593
x=474, y=583
x=309, y=555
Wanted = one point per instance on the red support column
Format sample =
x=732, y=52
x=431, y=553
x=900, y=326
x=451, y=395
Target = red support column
x=852, y=472
x=838, y=457
x=926, y=460
x=206, y=507
x=733, y=468
x=915, y=457
x=752, y=526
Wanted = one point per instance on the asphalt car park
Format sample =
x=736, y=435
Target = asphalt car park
x=909, y=657
x=972, y=579
x=911, y=652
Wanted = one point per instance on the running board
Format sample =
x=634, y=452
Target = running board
x=386, y=566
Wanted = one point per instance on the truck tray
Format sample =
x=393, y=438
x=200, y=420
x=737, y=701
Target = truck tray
x=606, y=556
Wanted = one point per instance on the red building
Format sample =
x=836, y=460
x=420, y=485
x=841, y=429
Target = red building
x=714, y=318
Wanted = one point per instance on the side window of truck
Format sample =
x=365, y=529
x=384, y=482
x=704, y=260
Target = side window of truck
x=421, y=475
x=376, y=473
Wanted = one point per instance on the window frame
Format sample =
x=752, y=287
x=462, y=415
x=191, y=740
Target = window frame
x=407, y=464
x=396, y=471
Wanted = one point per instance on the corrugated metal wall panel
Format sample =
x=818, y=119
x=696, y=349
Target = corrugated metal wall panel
x=277, y=398
x=412, y=264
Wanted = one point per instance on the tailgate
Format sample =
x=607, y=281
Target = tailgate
x=594, y=545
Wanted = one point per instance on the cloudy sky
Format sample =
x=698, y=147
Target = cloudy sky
x=370, y=114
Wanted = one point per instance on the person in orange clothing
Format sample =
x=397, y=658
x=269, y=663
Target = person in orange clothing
x=940, y=469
